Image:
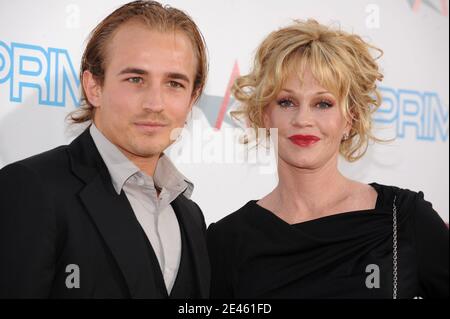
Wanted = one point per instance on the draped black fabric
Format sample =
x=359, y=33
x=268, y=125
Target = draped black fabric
x=255, y=254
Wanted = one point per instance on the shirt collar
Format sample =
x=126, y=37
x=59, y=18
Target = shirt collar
x=121, y=168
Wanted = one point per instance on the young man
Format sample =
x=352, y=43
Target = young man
x=109, y=216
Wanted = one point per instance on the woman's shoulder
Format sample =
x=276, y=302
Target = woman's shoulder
x=236, y=219
x=429, y=234
x=402, y=196
x=409, y=203
x=228, y=231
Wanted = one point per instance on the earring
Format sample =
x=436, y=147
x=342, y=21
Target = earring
x=345, y=137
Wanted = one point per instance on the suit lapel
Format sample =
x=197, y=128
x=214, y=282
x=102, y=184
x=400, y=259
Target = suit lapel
x=114, y=218
x=195, y=242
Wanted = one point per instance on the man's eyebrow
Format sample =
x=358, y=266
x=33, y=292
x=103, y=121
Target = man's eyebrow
x=178, y=76
x=170, y=75
x=132, y=70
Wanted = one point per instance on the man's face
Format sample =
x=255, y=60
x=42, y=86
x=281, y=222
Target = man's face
x=147, y=90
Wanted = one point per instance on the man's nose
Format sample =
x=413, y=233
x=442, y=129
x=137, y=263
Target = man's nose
x=154, y=99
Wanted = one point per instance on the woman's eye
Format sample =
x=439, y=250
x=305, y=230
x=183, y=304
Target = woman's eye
x=285, y=103
x=324, y=105
x=135, y=80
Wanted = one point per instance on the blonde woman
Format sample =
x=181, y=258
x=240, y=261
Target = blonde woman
x=319, y=234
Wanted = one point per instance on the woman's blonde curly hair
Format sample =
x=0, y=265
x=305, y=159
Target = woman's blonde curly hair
x=340, y=61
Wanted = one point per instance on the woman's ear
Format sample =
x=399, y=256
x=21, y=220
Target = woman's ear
x=92, y=88
x=347, y=130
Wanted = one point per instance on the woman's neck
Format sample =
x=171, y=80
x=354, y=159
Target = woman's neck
x=305, y=194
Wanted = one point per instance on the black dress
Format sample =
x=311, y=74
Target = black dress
x=255, y=254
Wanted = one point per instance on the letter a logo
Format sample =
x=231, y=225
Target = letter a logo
x=73, y=279
x=373, y=279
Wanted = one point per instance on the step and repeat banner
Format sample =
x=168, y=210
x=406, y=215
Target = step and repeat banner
x=41, y=43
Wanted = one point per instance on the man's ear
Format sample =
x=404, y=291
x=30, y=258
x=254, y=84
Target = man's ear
x=195, y=96
x=91, y=88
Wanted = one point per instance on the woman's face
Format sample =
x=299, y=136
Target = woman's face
x=310, y=123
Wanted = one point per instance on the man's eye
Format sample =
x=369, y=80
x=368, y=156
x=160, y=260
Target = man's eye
x=135, y=79
x=175, y=84
x=285, y=103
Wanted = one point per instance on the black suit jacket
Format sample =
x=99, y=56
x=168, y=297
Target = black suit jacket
x=59, y=208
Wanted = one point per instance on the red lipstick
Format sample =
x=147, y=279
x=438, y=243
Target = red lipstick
x=304, y=140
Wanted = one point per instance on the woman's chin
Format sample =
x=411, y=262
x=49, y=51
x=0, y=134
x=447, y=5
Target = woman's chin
x=303, y=163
